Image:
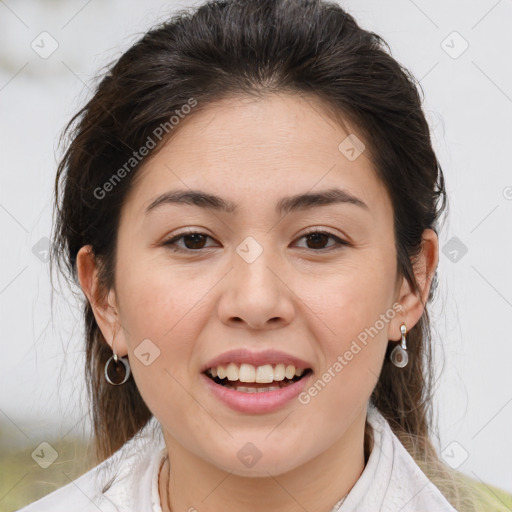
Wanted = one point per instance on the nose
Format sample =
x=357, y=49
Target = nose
x=255, y=294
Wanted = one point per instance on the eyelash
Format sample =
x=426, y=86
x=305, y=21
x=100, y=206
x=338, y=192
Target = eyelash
x=171, y=242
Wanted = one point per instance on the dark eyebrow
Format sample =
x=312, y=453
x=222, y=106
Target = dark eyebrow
x=285, y=205
x=327, y=197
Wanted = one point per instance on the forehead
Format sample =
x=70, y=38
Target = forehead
x=259, y=150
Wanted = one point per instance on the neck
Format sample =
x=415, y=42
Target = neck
x=187, y=482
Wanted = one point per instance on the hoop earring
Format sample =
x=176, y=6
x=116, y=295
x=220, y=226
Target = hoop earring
x=117, y=374
x=399, y=356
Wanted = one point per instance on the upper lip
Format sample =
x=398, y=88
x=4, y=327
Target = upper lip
x=239, y=356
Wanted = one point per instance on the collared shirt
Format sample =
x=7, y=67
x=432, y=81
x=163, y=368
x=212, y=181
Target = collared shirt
x=390, y=482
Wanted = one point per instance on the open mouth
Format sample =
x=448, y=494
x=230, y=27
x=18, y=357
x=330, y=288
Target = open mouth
x=257, y=387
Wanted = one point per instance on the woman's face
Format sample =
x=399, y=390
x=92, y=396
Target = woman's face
x=254, y=281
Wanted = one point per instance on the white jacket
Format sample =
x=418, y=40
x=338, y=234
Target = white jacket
x=390, y=482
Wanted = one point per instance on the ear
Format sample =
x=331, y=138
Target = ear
x=103, y=302
x=412, y=301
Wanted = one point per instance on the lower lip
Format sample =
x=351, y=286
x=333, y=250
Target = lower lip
x=256, y=403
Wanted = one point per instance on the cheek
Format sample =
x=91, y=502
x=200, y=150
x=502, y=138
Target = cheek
x=160, y=318
x=158, y=300
x=353, y=362
x=356, y=310
x=354, y=298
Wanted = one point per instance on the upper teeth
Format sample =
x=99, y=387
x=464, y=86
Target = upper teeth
x=249, y=373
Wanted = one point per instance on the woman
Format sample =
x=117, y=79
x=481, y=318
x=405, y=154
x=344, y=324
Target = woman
x=250, y=203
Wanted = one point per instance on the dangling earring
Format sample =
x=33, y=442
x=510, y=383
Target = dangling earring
x=399, y=356
x=117, y=374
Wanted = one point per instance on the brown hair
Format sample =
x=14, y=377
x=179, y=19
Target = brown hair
x=256, y=47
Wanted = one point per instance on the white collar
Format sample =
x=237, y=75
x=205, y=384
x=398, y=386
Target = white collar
x=390, y=482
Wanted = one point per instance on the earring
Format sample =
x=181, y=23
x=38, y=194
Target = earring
x=117, y=374
x=399, y=356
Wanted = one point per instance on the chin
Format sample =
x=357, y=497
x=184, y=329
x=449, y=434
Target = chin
x=263, y=468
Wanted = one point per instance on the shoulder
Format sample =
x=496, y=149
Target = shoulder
x=84, y=494
x=115, y=485
x=406, y=487
x=488, y=497
x=409, y=489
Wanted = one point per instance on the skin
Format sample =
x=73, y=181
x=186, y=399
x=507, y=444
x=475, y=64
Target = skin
x=296, y=297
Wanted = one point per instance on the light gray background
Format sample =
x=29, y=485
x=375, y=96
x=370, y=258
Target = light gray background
x=469, y=106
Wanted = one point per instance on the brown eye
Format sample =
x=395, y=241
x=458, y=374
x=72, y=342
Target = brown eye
x=191, y=242
x=195, y=241
x=316, y=240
